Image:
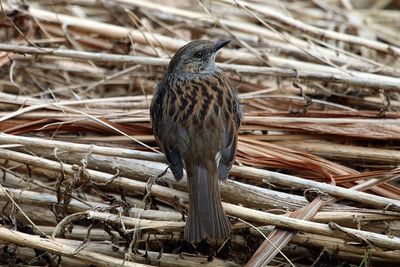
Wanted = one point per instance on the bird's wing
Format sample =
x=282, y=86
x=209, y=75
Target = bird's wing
x=228, y=151
x=162, y=132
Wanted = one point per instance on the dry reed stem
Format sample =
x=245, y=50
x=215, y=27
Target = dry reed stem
x=364, y=80
x=41, y=199
x=34, y=241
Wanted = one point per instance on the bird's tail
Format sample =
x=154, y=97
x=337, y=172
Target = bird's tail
x=206, y=217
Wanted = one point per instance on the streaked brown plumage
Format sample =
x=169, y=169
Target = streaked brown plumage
x=196, y=116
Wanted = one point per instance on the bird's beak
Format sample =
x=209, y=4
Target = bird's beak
x=219, y=44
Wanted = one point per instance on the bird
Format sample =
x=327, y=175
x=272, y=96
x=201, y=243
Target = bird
x=196, y=115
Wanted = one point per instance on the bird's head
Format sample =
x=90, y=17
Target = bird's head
x=196, y=57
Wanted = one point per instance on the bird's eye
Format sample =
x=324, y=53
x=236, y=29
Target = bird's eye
x=198, y=54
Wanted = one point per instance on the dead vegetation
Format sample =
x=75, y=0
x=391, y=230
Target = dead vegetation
x=315, y=178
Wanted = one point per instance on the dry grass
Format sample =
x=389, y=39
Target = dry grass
x=316, y=177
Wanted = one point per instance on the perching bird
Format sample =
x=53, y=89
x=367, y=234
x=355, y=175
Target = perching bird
x=196, y=115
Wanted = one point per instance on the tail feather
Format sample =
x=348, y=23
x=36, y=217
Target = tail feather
x=206, y=218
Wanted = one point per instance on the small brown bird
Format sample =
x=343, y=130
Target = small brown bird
x=196, y=116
